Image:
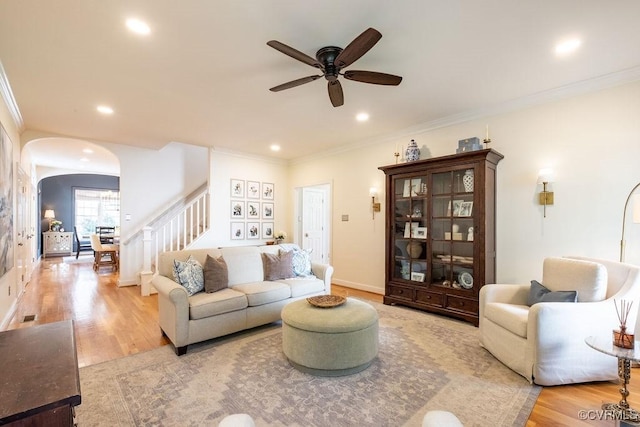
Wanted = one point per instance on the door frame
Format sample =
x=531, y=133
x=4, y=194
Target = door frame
x=327, y=189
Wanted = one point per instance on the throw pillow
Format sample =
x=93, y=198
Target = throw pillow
x=302, y=262
x=189, y=274
x=216, y=275
x=538, y=293
x=278, y=266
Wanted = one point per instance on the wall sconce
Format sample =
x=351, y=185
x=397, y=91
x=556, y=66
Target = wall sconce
x=375, y=207
x=635, y=208
x=49, y=214
x=545, y=176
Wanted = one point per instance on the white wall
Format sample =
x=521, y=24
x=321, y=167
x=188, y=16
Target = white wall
x=592, y=141
x=9, y=280
x=226, y=166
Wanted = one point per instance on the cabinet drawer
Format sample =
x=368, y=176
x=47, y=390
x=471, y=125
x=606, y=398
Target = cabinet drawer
x=400, y=292
x=462, y=304
x=431, y=298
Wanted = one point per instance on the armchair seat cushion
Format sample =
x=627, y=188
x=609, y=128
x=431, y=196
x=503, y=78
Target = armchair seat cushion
x=203, y=304
x=260, y=293
x=511, y=317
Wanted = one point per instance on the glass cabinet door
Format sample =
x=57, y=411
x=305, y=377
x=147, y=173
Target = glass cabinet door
x=410, y=228
x=452, y=228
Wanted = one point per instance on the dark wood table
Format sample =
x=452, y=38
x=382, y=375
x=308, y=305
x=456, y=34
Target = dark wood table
x=39, y=378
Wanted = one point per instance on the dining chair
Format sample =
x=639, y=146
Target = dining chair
x=81, y=245
x=105, y=254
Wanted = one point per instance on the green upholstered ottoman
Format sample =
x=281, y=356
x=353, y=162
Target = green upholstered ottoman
x=333, y=341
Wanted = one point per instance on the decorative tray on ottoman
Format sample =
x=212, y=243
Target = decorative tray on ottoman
x=326, y=301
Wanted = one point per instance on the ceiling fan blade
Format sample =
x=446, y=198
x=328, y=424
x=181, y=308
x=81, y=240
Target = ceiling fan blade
x=295, y=54
x=294, y=83
x=358, y=47
x=373, y=77
x=335, y=93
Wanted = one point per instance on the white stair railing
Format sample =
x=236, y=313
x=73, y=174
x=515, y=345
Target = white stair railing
x=176, y=233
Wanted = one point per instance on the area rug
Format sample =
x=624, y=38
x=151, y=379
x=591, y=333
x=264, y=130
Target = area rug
x=425, y=362
x=81, y=259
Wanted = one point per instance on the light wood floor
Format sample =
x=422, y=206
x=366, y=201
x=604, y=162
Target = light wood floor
x=112, y=322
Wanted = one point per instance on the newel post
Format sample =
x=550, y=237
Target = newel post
x=146, y=273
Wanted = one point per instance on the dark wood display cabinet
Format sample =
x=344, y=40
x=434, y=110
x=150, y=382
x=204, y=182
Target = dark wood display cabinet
x=440, y=232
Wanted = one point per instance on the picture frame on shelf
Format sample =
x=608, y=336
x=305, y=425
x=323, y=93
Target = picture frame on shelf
x=420, y=233
x=253, y=230
x=253, y=190
x=417, y=277
x=237, y=231
x=466, y=208
x=412, y=187
x=454, y=208
x=267, y=191
x=253, y=210
x=267, y=210
x=237, y=188
x=410, y=229
x=237, y=209
x=267, y=230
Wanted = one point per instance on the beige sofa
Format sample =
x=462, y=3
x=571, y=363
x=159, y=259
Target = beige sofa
x=249, y=300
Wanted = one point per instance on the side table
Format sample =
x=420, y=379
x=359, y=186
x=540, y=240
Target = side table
x=39, y=378
x=620, y=410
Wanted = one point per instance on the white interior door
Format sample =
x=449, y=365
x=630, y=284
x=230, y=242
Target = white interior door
x=315, y=222
x=22, y=235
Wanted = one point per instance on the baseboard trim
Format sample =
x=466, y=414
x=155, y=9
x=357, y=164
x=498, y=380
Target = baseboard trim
x=359, y=286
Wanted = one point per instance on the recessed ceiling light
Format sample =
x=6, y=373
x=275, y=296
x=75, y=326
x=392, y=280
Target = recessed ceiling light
x=104, y=109
x=138, y=26
x=568, y=46
x=275, y=147
x=87, y=150
x=362, y=117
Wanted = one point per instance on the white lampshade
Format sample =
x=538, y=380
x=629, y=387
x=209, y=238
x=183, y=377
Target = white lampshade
x=373, y=191
x=49, y=214
x=546, y=175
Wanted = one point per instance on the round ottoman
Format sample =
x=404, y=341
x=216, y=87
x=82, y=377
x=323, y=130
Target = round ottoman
x=333, y=341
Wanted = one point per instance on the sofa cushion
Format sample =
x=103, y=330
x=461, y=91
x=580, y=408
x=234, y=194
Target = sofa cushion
x=216, y=275
x=204, y=304
x=588, y=278
x=244, y=264
x=512, y=317
x=189, y=274
x=304, y=285
x=165, y=259
x=260, y=293
x=301, y=262
x=538, y=293
x=278, y=266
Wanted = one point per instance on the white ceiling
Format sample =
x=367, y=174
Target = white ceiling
x=202, y=75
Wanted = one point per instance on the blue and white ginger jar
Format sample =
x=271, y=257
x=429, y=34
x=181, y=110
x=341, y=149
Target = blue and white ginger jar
x=413, y=152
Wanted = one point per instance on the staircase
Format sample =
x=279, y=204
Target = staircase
x=174, y=230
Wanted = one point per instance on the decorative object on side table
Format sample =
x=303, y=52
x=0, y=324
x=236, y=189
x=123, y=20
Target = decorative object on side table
x=55, y=225
x=279, y=236
x=620, y=337
x=413, y=152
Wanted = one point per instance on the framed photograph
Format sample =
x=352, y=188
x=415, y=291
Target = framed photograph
x=412, y=187
x=237, y=188
x=267, y=191
x=253, y=210
x=465, y=209
x=455, y=208
x=237, y=231
x=417, y=277
x=237, y=209
x=420, y=233
x=267, y=210
x=253, y=230
x=267, y=230
x=410, y=229
x=253, y=190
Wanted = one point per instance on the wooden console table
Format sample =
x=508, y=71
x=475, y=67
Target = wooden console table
x=40, y=380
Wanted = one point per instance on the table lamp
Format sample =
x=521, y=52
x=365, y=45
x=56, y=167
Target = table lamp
x=49, y=214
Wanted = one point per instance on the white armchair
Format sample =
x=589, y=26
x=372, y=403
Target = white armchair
x=545, y=342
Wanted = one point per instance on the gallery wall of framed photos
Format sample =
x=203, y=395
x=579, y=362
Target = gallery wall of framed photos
x=251, y=209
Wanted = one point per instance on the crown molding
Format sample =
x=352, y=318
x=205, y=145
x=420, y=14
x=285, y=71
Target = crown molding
x=595, y=84
x=10, y=101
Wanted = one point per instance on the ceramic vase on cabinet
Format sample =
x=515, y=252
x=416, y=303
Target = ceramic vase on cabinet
x=467, y=180
x=413, y=152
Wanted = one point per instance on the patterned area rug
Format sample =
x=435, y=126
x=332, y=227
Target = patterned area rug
x=425, y=362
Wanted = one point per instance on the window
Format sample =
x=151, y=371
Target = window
x=96, y=208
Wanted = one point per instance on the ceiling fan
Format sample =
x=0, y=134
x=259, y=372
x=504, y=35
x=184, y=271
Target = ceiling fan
x=331, y=60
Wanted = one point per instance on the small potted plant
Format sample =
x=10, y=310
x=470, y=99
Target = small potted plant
x=55, y=225
x=279, y=236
